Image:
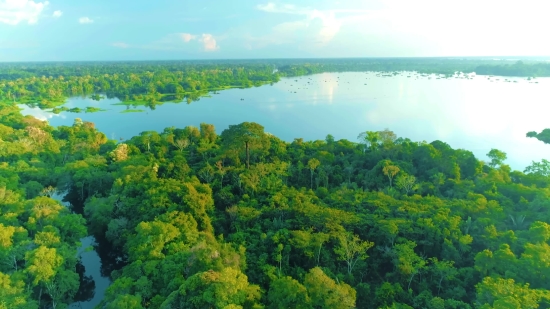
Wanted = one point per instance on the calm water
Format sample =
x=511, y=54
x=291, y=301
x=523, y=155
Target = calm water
x=476, y=114
x=93, y=282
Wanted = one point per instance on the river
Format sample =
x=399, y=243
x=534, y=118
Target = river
x=475, y=113
x=93, y=280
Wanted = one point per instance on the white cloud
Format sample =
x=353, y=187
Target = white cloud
x=284, y=8
x=409, y=28
x=320, y=26
x=434, y=27
x=182, y=42
x=187, y=37
x=209, y=42
x=85, y=20
x=120, y=45
x=269, y=7
x=12, y=12
x=39, y=113
x=330, y=25
x=57, y=14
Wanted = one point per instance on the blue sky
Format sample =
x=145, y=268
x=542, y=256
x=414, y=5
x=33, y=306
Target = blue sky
x=73, y=30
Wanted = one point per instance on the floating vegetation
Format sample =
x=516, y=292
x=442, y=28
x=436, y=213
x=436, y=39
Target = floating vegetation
x=132, y=111
x=93, y=109
x=88, y=109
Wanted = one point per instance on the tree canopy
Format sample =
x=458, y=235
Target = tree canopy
x=244, y=219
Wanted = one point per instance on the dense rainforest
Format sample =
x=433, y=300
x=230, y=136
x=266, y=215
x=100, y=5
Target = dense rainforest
x=48, y=85
x=243, y=219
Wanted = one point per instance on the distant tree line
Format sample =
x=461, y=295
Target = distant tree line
x=151, y=87
x=48, y=85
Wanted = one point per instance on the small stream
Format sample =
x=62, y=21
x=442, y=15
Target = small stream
x=92, y=284
x=93, y=277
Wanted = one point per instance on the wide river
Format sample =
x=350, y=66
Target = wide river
x=476, y=113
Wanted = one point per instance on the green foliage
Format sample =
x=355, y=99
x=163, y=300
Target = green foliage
x=543, y=136
x=246, y=220
x=288, y=293
x=326, y=293
x=147, y=84
x=505, y=293
x=497, y=157
x=226, y=289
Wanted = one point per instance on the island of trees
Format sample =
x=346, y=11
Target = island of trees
x=243, y=219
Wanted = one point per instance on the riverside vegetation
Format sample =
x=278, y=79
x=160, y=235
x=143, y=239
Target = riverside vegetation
x=244, y=219
x=48, y=85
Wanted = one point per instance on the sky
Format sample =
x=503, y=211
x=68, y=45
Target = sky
x=89, y=30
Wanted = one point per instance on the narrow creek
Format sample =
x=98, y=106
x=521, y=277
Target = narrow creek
x=94, y=279
x=92, y=283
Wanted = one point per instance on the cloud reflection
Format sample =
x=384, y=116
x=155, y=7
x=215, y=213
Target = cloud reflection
x=474, y=114
x=38, y=113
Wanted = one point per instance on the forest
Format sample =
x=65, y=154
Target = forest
x=48, y=85
x=243, y=219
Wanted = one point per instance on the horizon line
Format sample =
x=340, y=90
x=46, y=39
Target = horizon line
x=297, y=58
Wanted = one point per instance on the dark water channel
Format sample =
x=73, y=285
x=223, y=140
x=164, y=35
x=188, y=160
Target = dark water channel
x=96, y=261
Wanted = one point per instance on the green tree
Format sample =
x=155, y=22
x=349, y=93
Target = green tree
x=369, y=139
x=505, y=293
x=406, y=182
x=310, y=243
x=352, y=249
x=407, y=261
x=390, y=171
x=444, y=270
x=326, y=293
x=43, y=264
x=543, y=136
x=288, y=293
x=125, y=301
x=226, y=289
x=497, y=157
x=312, y=165
x=539, y=168
x=120, y=153
x=248, y=134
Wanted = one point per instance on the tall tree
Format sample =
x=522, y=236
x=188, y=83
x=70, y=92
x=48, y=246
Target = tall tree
x=312, y=164
x=248, y=134
x=369, y=139
x=352, y=249
x=497, y=157
x=407, y=183
x=390, y=171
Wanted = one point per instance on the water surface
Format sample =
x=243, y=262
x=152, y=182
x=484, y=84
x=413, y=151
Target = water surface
x=92, y=293
x=476, y=113
x=93, y=282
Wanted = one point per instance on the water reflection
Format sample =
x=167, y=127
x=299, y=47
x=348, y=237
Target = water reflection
x=111, y=259
x=93, y=270
x=40, y=114
x=476, y=113
x=86, y=290
x=93, y=281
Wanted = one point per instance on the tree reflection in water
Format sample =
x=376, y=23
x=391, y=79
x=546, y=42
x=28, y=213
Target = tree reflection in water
x=86, y=291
